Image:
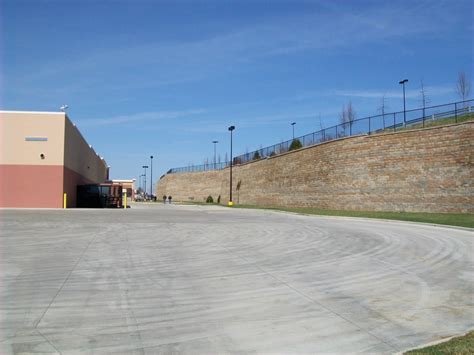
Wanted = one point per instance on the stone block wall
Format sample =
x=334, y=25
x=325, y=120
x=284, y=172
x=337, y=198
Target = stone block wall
x=425, y=170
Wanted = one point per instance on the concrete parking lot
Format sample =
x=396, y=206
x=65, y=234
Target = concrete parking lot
x=207, y=279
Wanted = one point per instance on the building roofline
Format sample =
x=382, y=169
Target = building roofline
x=36, y=112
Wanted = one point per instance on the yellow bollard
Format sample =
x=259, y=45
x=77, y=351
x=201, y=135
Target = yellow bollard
x=230, y=203
x=124, y=198
x=65, y=200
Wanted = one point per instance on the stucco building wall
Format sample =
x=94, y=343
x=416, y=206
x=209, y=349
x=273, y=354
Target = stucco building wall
x=82, y=165
x=427, y=170
x=43, y=155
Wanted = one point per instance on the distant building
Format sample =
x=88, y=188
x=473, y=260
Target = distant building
x=42, y=156
x=129, y=185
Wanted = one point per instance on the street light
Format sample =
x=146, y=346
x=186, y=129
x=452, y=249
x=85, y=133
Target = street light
x=145, y=167
x=151, y=176
x=293, y=125
x=402, y=82
x=215, y=142
x=141, y=182
x=231, y=128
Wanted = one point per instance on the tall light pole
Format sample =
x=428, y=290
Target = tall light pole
x=215, y=142
x=231, y=128
x=145, y=167
x=151, y=176
x=402, y=82
x=141, y=181
x=293, y=125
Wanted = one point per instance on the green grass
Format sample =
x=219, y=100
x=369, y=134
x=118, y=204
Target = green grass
x=430, y=123
x=452, y=219
x=456, y=346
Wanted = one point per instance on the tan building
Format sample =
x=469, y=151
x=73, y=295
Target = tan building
x=129, y=185
x=42, y=156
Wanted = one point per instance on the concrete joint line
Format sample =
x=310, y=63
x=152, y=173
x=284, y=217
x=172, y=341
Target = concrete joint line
x=66, y=280
x=49, y=342
x=308, y=298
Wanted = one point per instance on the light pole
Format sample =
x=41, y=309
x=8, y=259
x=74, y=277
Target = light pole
x=402, y=82
x=151, y=176
x=141, y=182
x=231, y=128
x=145, y=167
x=293, y=125
x=215, y=142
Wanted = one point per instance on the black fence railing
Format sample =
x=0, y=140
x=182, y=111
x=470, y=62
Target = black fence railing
x=389, y=122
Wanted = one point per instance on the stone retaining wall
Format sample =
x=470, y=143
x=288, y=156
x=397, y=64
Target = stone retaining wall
x=425, y=170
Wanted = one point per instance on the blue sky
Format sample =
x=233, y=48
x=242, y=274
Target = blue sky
x=166, y=78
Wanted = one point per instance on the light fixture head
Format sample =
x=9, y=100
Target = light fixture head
x=231, y=128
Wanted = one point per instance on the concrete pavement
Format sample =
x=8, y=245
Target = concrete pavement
x=204, y=279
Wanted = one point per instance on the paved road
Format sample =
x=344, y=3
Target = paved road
x=160, y=279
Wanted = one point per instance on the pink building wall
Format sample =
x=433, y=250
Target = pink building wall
x=31, y=186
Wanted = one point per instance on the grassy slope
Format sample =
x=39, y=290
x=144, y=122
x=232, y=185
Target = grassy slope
x=456, y=346
x=453, y=219
x=430, y=123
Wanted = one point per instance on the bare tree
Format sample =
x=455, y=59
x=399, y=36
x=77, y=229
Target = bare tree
x=320, y=122
x=383, y=108
x=463, y=86
x=351, y=115
x=424, y=98
x=425, y=101
x=347, y=116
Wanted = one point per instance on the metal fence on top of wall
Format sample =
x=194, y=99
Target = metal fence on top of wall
x=388, y=122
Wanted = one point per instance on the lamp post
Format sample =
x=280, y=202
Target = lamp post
x=141, y=182
x=144, y=176
x=215, y=142
x=293, y=125
x=231, y=128
x=151, y=176
x=402, y=82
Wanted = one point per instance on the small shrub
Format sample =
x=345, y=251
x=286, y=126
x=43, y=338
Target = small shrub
x=295, y=144
x=256, y=155
x=209, y=199
x=237, y=161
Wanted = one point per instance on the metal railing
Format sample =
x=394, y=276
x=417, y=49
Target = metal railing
x=198, y=168
x=389, y=122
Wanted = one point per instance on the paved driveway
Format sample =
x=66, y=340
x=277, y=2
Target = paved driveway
x=159, y=279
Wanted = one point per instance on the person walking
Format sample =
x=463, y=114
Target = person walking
x=164, y=198
x=169, y=199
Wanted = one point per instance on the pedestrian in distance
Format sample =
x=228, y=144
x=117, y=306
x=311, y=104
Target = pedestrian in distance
x=169, y=199
x=164, y=198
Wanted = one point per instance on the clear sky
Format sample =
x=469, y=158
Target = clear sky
x=166, y=78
